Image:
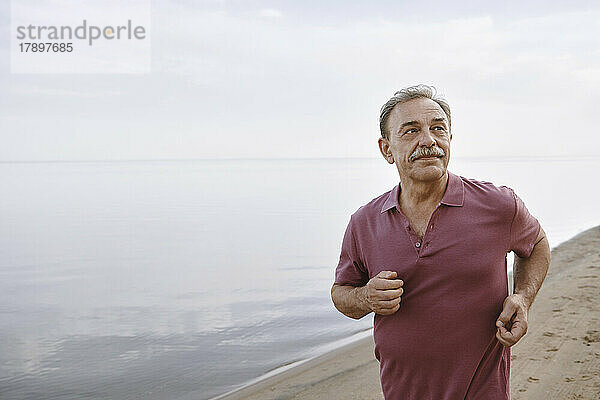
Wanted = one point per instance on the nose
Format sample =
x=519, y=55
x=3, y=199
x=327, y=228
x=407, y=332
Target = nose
x=426, y=139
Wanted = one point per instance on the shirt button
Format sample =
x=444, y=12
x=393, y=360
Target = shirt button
x=418, y=244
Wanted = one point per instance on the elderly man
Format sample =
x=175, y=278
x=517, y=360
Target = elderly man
x=429, y=259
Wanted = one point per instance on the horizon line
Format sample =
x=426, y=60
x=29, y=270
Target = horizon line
x=592, y=156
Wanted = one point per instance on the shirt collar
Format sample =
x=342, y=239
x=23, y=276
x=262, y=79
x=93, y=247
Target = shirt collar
x=453, y=196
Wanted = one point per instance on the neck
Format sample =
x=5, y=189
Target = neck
x=422, y=193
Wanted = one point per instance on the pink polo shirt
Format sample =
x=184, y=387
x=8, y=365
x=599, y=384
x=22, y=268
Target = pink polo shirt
x=441, y=344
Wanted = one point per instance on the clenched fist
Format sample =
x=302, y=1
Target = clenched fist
x=382, y=294
x=512, y=322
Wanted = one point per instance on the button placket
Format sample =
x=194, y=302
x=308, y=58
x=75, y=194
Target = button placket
x=426, y=241
x=412, y=235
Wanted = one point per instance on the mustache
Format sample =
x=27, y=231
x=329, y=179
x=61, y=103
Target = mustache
x=419, y=152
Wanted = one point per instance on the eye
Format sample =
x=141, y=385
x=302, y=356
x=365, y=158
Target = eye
x=411, y=130
x=439, y=128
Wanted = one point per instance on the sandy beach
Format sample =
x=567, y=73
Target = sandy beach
x=559, y=358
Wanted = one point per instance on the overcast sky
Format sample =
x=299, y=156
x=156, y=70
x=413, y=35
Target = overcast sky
x=307, y=79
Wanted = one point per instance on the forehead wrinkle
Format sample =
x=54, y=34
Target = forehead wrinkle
x=424, y=118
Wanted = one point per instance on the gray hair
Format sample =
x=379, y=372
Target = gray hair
x=406, y=94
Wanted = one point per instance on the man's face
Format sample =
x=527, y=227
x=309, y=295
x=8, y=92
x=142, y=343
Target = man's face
x=418, y=127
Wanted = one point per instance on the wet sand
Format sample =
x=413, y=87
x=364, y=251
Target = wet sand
x=559, y=358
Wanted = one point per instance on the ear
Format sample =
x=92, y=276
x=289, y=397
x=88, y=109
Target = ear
x=384, y=148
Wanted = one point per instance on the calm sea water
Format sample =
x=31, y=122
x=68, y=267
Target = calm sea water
x=186, y=279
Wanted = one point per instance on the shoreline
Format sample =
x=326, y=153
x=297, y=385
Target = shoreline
x=288, y=376
x=319, y=354
x=351, y=369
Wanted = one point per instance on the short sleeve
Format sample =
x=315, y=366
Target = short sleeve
x=350, y=270
x=524, y=229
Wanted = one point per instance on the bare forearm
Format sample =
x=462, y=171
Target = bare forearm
x=350, y=300
x=530, y=272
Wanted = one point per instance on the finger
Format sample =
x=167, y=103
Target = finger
x=388, y=294
x=505, y=337
x=504, y=333
x=387, y=275
x=518, y=330
x=386, y=304
x=501, y=339
x=508, y=311
x=510, y=337
x=385, y=284
x=387, y=311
